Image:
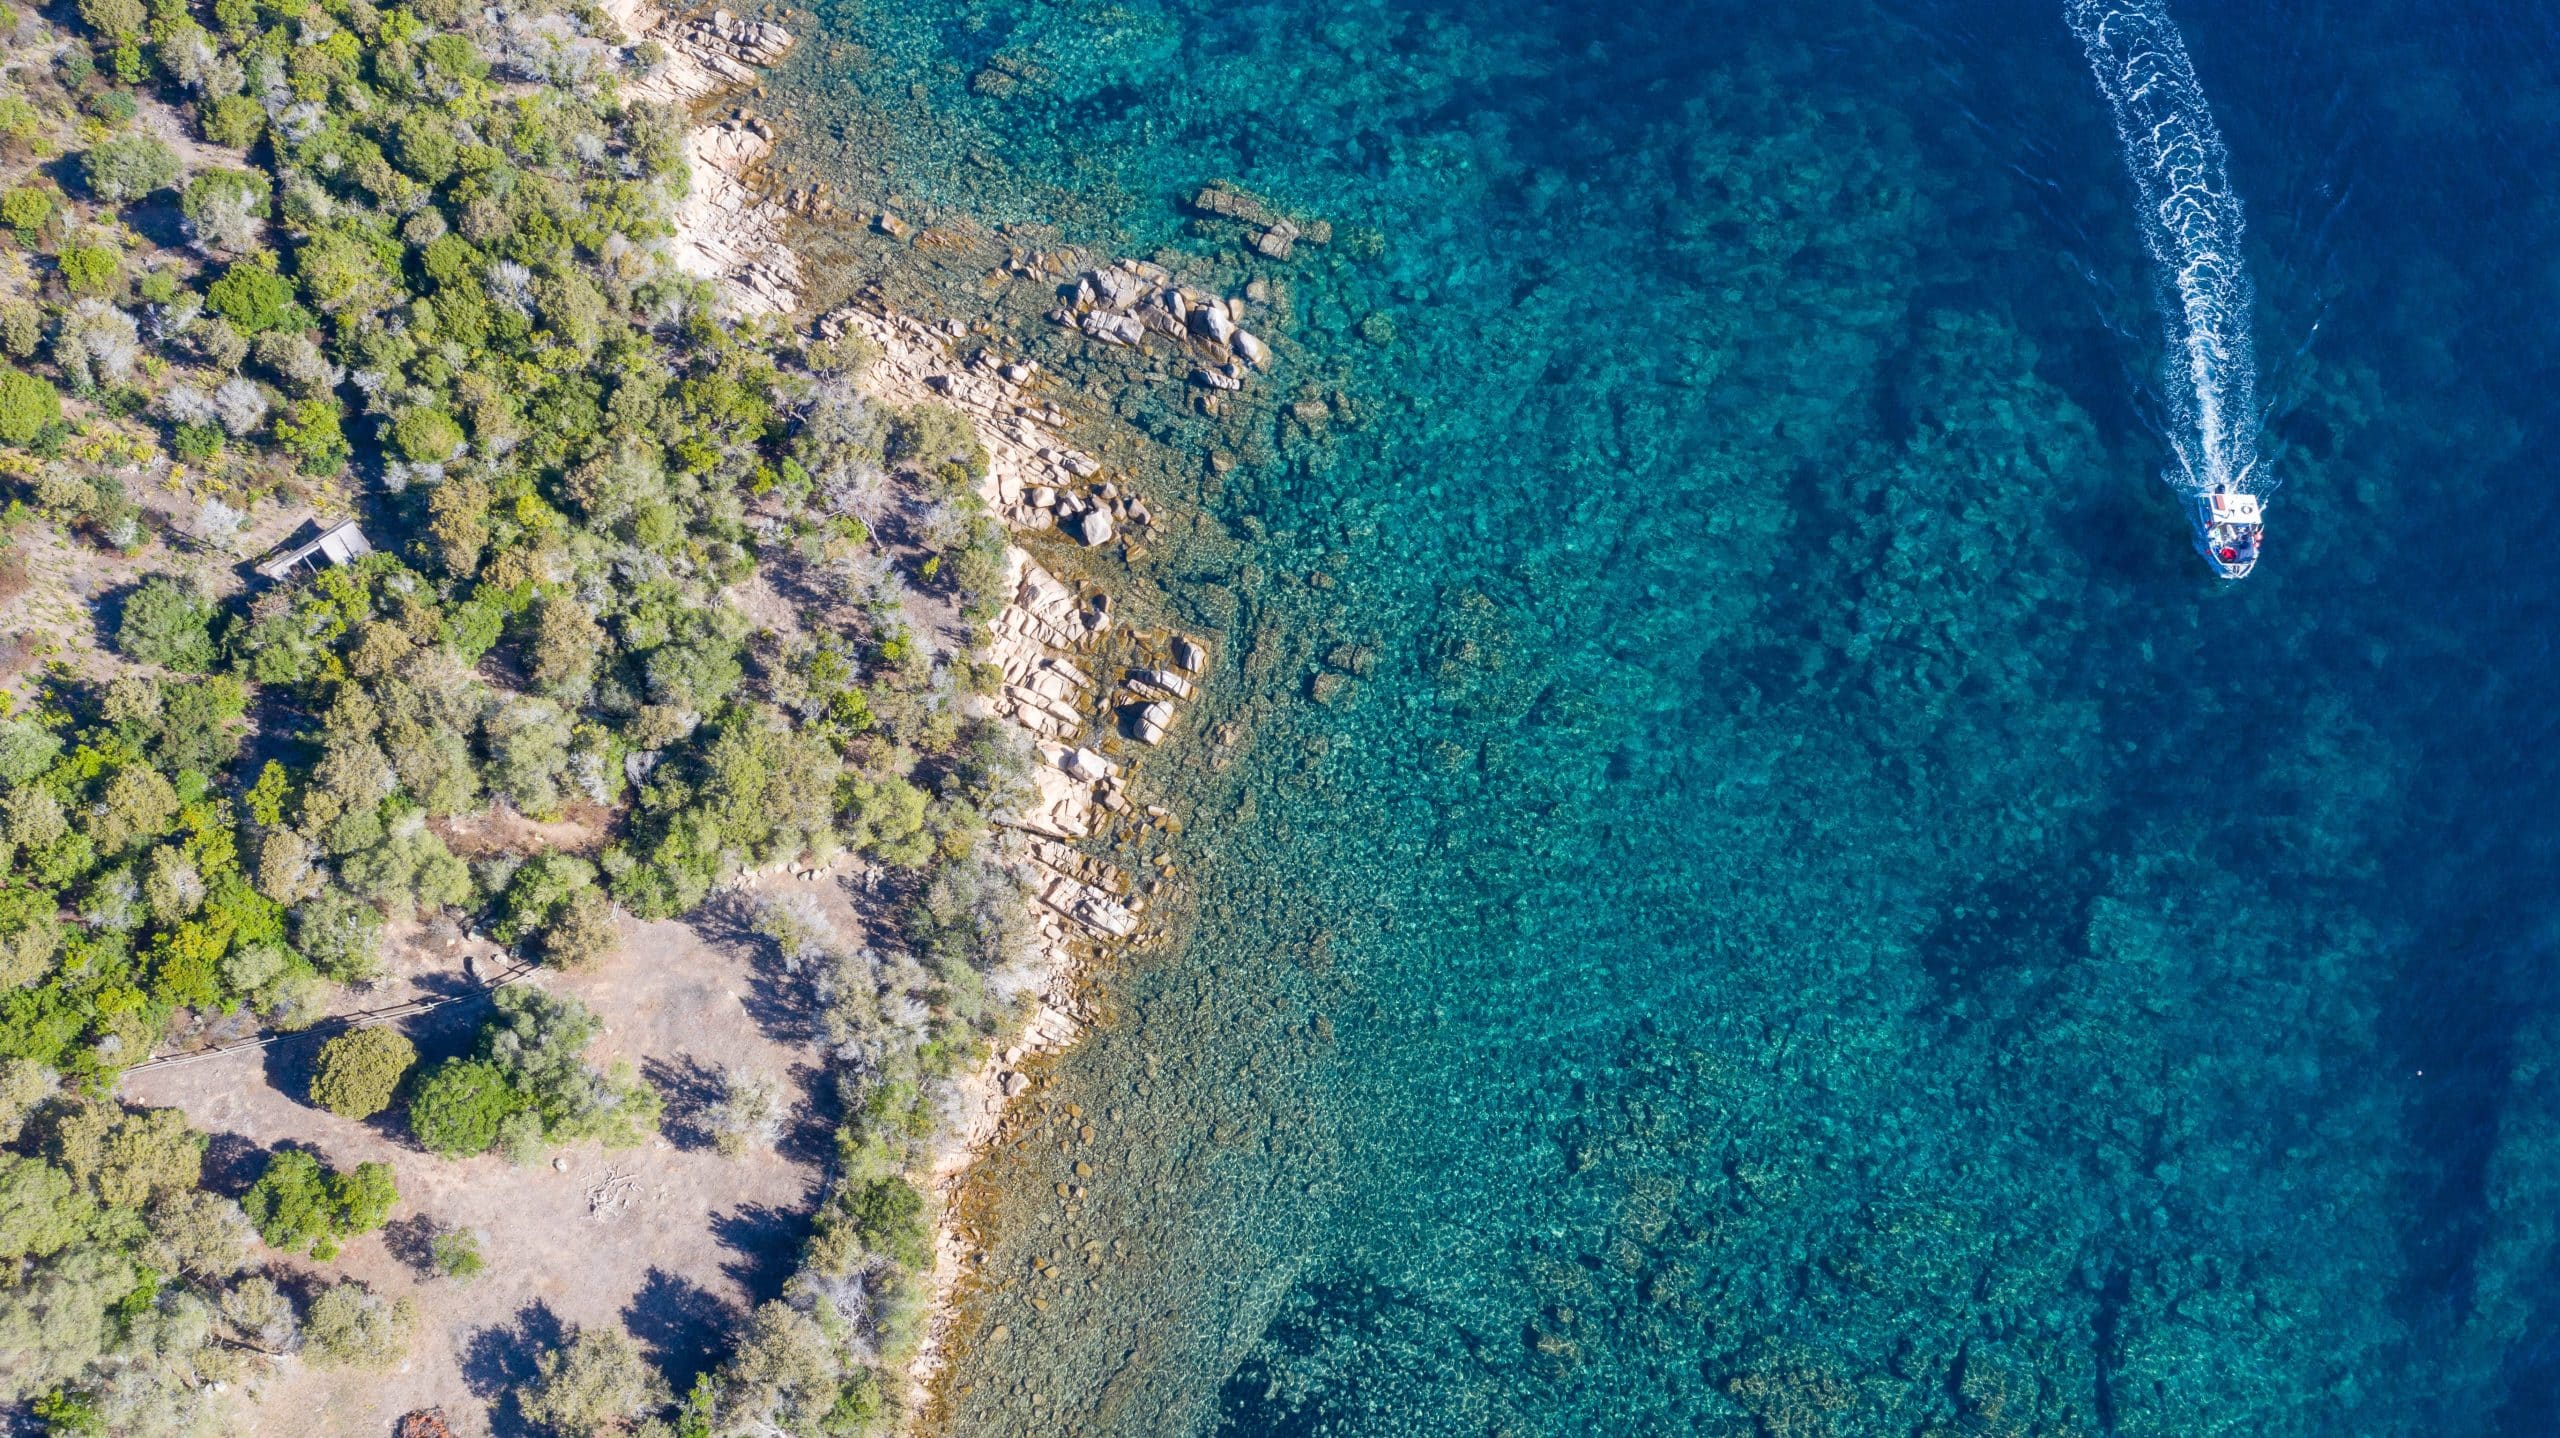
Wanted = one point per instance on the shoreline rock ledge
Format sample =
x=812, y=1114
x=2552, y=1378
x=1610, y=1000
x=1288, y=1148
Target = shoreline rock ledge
x=725, y=232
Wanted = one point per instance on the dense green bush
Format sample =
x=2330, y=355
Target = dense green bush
x=168, y=622
x=300, y=1205
x=598, y=1386
x=25, y=208
x=29, y=405
x=359, y=1071
x=92, y=270
x=351, y=1326
x=256, y=299
x=459, y=1105
x=128, y=167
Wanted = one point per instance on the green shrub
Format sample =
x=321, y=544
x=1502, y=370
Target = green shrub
x=290, y=1203
x=29, y=405
x=114, y=19
x=601, y=1384
x=459, y=1106
x=196, y=443
x=89, y=269
x=425, y=145
x=168, y=622
x=116, y=107
x=232, y=121
x=25, y=208
x=359, y=1071
x=581, y=932
x=128, y=167
x=426, y=434
x=537, y=890
x=351, y=1326
x=255, y=299
x=308, y=429
x=455, y=1253
x=341, y=935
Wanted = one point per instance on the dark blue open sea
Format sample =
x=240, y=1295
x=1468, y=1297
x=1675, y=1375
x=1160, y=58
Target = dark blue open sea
x=1806, y=909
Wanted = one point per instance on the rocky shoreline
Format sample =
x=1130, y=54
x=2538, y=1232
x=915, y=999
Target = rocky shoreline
x=1080, y=903
x=725, y=232
x=1054, y=642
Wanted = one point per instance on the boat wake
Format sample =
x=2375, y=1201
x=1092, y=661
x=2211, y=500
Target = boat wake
x=2191, y=224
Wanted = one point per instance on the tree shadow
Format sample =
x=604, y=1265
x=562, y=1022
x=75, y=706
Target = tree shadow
x=158, y=220
x=290, y=1061
x=682, y=1326
x=412, y=1240
x=496, y=1360
x=693, y=1091
x=766, y=1239
x=777, y=996
x=809, y=1123
x=232, y=1162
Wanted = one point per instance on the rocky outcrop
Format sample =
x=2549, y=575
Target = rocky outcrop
x=1124, y=303
x=725, y=232
x=703, y=55
x=1035, y=480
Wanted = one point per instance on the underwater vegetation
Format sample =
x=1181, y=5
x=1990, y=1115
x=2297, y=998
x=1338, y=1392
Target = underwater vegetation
x=1764, y=895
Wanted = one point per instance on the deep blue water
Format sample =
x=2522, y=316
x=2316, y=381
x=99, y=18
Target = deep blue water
x=1814, y=914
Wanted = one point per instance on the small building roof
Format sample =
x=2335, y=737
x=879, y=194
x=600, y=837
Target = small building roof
x=340, y=543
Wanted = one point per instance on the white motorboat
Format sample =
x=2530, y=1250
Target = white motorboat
x=2230, y=530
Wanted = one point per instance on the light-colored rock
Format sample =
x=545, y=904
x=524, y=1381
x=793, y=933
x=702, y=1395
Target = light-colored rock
x=1188, y=654
x=1095, y=528
x=1108, y=916
x=1216, y=379
x=1251, y=347
x=1213, y=322
x=1116, y=288
x=1086, y=765
x=1161, y=679
x=1113, y=329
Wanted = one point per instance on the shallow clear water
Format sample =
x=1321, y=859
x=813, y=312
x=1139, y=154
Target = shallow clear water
x=1813, y=912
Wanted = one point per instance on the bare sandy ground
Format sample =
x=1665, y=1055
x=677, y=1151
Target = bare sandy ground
x=669, y=1239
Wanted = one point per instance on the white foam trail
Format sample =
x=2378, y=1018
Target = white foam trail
x=2191, y=224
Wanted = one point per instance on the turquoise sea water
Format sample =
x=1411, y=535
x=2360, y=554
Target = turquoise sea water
x=1813, y=913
